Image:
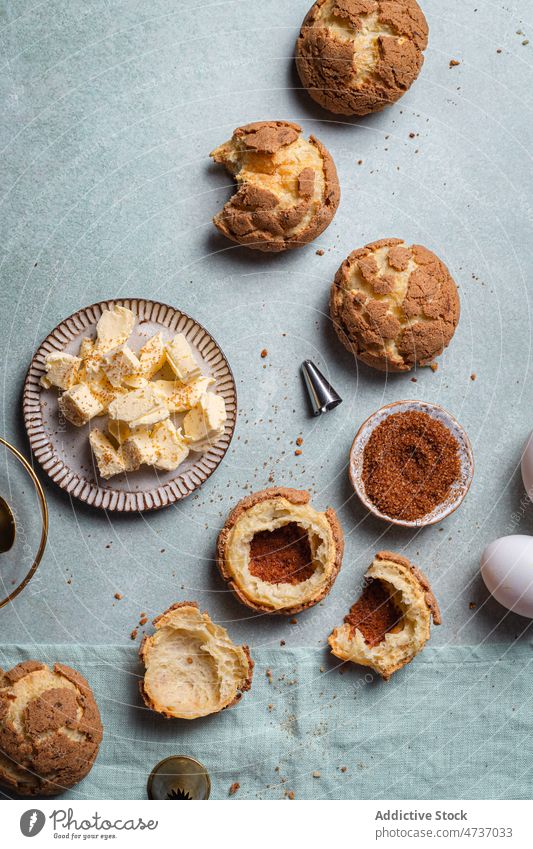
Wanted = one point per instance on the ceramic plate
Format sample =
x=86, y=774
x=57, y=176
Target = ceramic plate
x=63, y=450
x=458, y=490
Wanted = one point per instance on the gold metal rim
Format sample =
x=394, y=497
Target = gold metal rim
x=44, y=517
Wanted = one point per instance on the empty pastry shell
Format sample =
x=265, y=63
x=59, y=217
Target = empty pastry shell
x=193, y=668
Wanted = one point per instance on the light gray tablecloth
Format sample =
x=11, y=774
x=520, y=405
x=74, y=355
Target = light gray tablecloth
x=455, y=724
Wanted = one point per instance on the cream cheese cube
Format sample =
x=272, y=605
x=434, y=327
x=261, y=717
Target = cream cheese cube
x=139, y=407
x=108, y=459
x=120, y=363
x=79, y=404
x=152, y=356
x=170, y=448
x=181, y=360
x=138, y=449
x=205, y=421
x=61, y=370
x=180, y=397
x=114, y=328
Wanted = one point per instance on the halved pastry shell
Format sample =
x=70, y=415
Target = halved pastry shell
x=277, y=553
x=193, y=668
x=390, y=623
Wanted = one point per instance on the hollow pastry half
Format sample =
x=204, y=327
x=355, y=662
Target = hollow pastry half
x=394, y=305
x=192, y=668
x=277, y=553
x=287, y=186
x=390, y=622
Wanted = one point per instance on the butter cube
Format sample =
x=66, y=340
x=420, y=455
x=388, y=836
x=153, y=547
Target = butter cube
x=118, y=430
x=170, y=448
x=79, y=405
x=181, y=360
x=61, y=370
x=119, y=363
x=114, y=328
x=139, y=407
x=135, y=381
x=101, y=387
x=152, y=356
x=108, y=460
x=205, y=422
x=138, y=449
x=180, y=397
x=86, y=347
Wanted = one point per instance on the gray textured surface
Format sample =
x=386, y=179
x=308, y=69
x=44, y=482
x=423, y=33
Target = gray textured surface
x=109, y=112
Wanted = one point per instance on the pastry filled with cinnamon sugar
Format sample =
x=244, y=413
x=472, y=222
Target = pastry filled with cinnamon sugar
x=391, y=621
x=282, y=556
x=278, y=553
x=375, y=614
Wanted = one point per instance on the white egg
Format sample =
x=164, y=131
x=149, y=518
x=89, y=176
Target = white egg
x=507, y=570
x=527, y=466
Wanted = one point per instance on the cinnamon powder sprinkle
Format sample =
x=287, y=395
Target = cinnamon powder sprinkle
x=410, y=464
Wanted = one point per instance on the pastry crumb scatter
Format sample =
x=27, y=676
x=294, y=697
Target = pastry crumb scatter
x=264, y=353
x=320, y=252
x=473, y=376
x=454, y=63
x=118, y=596
x=316, y=774
x=133, y=634
x=234, y=787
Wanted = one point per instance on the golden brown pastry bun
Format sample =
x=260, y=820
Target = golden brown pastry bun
x=277, y=553
x=287, y=187
x=50, y=728
x=192, y=667
x=358, y=56
x=394, y=306
x=390, y=623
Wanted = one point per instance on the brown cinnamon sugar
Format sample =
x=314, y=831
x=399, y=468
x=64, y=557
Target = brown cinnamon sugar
x=282, y=556
x=374, y=614
x=410, y=464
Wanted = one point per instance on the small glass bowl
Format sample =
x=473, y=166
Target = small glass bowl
x=21, y=490
x=466, y=460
